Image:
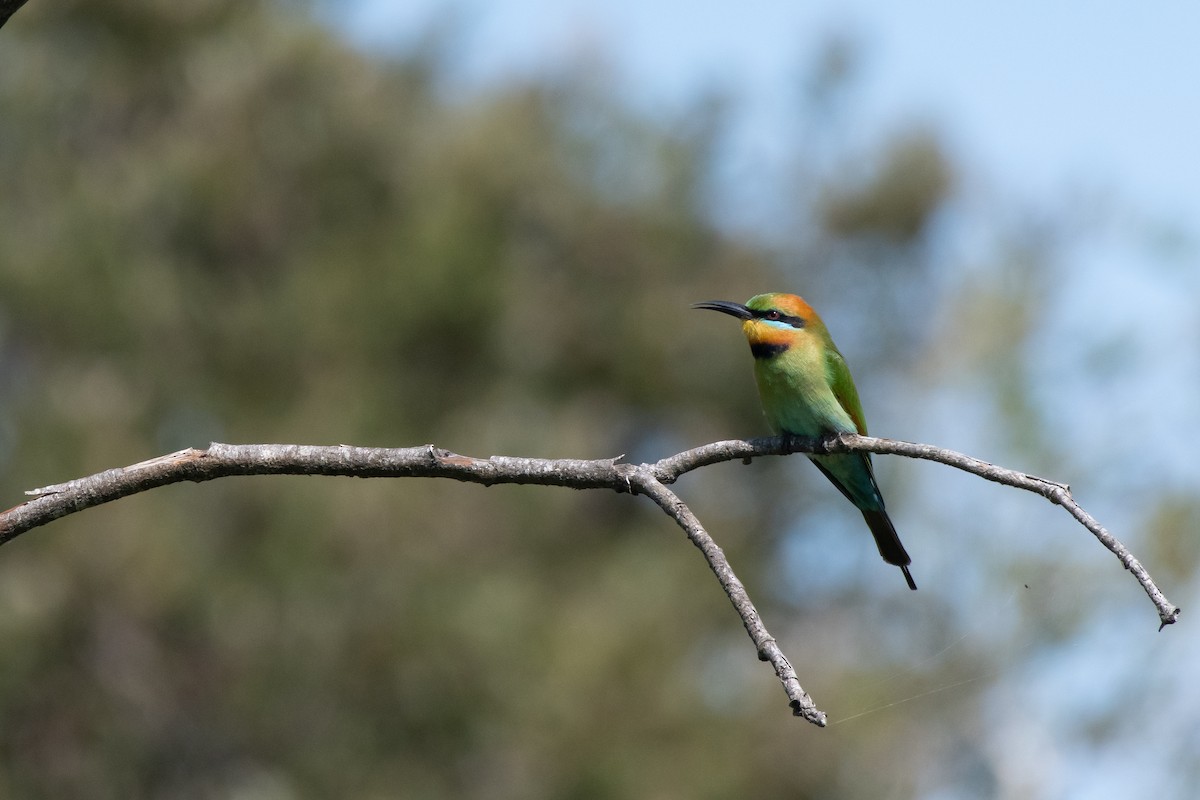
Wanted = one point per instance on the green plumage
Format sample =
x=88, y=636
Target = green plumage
x=807, y=390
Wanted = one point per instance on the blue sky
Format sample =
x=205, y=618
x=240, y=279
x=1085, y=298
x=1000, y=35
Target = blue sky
x=1044, y=102
x=1043, y=95
x=1066, y=106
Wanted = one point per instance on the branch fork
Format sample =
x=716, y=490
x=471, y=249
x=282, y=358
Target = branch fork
x=650, y=479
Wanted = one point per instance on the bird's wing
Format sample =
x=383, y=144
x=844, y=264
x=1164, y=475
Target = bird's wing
x=842, y=385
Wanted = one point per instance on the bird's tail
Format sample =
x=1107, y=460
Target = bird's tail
x=888, y=542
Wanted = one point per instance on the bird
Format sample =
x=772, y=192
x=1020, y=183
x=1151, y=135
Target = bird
x=806, y=390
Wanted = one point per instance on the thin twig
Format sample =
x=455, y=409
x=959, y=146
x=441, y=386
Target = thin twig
x=1055, y=492
x=8, y=8
x=768, y=649
x=221, y=460
x=670, y=468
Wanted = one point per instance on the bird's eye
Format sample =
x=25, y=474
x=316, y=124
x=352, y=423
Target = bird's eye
x=773, y=314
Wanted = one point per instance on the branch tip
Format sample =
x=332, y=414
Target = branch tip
x=809, y=712
x=1169, y=618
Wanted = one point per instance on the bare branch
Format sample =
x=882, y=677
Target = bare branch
x=768, y=649
x=8, y=8
x=670, y=468
x=221, y=460
x=1055, y=492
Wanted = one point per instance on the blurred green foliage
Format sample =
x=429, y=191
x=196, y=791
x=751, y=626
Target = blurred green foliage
x=221, y=222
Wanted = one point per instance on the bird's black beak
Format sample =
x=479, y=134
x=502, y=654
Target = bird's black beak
x=724, y=306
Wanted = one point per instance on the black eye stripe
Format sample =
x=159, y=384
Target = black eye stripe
x=775, y=315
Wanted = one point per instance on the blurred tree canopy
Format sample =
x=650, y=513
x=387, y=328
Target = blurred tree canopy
x=222, y=222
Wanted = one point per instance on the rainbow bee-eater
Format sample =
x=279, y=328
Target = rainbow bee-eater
x=806, y=390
